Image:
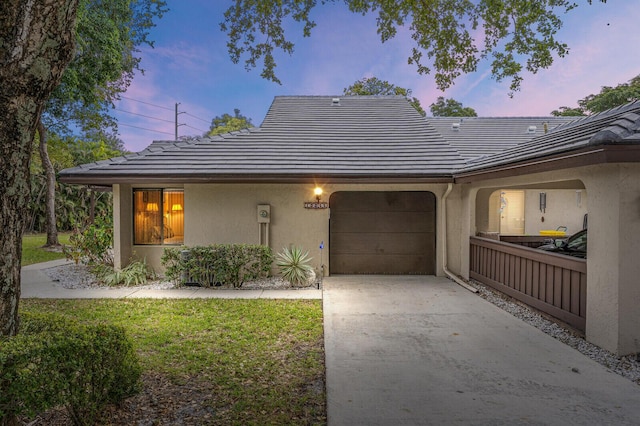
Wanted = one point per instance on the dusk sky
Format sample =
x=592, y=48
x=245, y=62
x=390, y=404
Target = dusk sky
x=190, y=65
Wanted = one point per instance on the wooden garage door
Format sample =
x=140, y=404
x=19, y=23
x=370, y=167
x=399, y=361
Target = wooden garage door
x=382, y=233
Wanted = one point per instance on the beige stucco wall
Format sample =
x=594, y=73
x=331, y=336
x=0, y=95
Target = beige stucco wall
x=565, y=207
x=613, y=286
x=227, y=213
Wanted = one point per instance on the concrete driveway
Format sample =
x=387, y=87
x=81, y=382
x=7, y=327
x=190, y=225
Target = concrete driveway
x=423, y=350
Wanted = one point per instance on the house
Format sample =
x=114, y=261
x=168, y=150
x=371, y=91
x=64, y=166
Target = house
x=400, y=194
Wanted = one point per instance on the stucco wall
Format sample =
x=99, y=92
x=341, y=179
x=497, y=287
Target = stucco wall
x=565, y=207
x=227, y=213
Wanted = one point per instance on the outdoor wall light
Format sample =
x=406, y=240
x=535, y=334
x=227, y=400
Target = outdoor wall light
x=543, y=202
x=318, y=193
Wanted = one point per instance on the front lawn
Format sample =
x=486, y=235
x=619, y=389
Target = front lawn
x=215, y=361
x=32, y=251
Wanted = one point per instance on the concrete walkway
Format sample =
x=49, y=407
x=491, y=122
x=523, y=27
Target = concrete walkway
x=36, y=284
x=424, y=351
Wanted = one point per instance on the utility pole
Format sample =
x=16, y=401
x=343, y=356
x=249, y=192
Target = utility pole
x=176, y=120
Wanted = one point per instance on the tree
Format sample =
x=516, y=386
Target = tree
x=516, y=34
x=229, y=123
x=609, y=97
x=37, y=39
x=375, y=86
x=108, y=35
x=450, y=108
x=75, y=206
x=565, y=111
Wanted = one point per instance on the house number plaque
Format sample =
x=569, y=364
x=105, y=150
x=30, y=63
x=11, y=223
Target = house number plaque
x=315, y=205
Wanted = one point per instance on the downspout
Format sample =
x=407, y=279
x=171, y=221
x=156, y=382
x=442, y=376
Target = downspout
x=445, y=262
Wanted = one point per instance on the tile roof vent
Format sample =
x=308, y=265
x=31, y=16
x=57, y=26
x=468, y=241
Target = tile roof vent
x=455, y=127
x=532, y=129
x=335, y=101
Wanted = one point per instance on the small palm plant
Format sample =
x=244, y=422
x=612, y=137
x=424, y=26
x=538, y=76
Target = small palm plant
x=294, y=265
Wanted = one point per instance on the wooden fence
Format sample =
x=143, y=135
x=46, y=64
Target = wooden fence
x=553, y=283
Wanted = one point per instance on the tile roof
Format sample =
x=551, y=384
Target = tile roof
x=474, y=137
x=301, y=137
x=362, y=138
x=619, y=126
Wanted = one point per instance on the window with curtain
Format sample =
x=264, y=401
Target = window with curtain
x=158, y=216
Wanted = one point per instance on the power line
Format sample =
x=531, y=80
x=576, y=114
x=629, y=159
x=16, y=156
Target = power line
x=146, y=103
x=142, y=128
x=146, y=116
x=201, y=119
x=186, y=125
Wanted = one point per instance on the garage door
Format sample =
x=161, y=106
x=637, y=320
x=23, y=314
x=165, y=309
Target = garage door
x=382, y=233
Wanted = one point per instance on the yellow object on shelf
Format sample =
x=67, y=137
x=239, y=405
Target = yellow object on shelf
x=553, y=233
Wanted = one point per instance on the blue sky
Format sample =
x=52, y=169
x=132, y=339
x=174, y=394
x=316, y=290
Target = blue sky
x=190, y=65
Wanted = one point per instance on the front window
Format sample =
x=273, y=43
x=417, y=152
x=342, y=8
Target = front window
x=158, y=216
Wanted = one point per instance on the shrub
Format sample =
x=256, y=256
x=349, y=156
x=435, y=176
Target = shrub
x=91, y=245
x=294, y=265
x=218, y=263
x=136, y=273
x=55, y=361
x=172, y=263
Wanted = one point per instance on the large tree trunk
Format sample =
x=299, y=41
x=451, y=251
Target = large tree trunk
x=50, y=197
x=36, y=44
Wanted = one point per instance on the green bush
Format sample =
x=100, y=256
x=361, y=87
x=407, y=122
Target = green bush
x=136, y=273
x=91, y=245
x=294, y=265
x=218, y=263
x=58, y=362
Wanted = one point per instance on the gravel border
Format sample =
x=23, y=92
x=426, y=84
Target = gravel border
x=626, y=366
x=72, y=276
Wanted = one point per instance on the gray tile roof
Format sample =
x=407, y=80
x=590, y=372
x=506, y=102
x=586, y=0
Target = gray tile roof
x=616, y=126
x=301, y=137
x=474, y=137
x=362, y=138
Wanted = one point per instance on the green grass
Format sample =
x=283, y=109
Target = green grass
x=32, y=251
x=260, y=361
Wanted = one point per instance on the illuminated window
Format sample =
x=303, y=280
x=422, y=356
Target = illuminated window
x=158, y=216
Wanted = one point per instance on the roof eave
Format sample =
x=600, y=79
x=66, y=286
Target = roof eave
x=110, y=179
x=601, y=154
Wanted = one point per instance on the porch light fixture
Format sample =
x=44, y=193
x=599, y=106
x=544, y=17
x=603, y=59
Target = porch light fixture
x=317, y=204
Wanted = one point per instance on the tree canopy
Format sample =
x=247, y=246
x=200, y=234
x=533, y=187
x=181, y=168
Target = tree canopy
x=226, y=123
x=451, y=37
x=108, y=36
x=609, y=97
x=375, y=86
x=450, y=108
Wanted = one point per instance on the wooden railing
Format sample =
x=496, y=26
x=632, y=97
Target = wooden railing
x=553, y=283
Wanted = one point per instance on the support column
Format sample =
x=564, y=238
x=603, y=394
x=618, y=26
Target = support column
x=613, y=270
